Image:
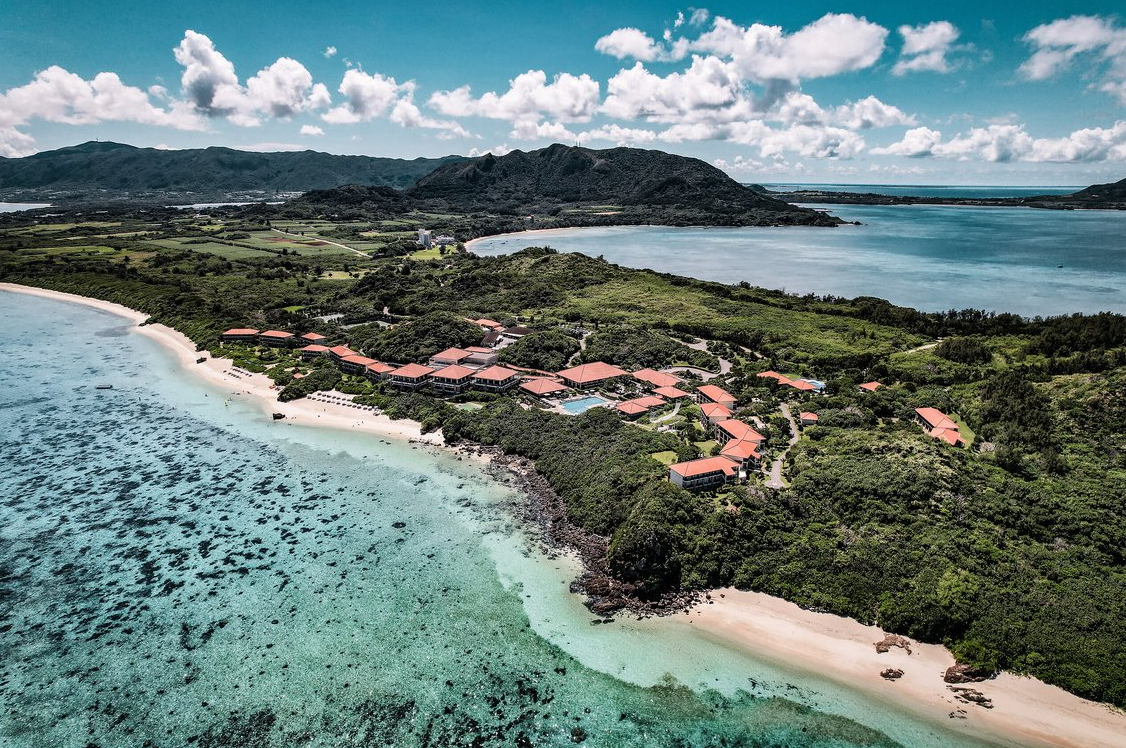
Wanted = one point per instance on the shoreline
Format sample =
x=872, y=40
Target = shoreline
x=257, y=388
x=1027, y=712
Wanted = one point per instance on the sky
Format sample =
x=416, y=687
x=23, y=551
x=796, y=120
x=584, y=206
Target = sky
x=850, y=92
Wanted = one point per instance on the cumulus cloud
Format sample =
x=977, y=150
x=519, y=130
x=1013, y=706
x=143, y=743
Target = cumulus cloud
x=628, y=42
x=870, y=112
x=567, y=98
x=925, y=47
x=1056, y=46
x=1007, y=143
x=710, y=89
x=368, y=96
x=312, y=130
x=330, y=51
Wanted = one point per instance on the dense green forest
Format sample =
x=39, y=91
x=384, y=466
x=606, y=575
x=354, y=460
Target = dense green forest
x=1010, y=551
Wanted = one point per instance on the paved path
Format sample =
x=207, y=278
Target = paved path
x=926, y=347
x=321, y=239
x=775, y=480
x=670, y=414
x=582, y=347
x=701, y=373
x=702, y=345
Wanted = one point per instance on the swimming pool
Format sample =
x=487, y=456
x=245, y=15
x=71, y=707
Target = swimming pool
x=583, y=404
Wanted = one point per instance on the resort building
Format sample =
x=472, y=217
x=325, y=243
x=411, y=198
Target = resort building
x=671, y=393
x=314, y=338
x=240, y=335
x=802, y=385
x=744, y=453
x=637, y=406
x=451, y=380
x=733, y=429
x=424, y=239
x=495, y=379
x=310, y=352
x=480, y=356
x=703, y=474
x=589, y=375
x=488, y=324
x=449, y=357
x=276, y=338
x=542, y=386
x=410, y=377
x=656, y=378
x=338, y=352
x=713, y=413
x=356, y=364
x=939, y=425
x=871, y=386
x=377, y=371
x=515, y=333
x=709, y=393
x=808, y=419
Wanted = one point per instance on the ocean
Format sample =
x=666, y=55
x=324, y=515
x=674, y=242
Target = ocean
x=929, y=190
x=176, y=569
x=1022, y=260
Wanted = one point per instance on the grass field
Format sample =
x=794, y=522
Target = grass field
x=665, y=458
x=226, y=251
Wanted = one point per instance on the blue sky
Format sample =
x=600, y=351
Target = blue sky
x=973, y=93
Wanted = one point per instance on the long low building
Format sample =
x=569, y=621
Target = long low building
x=314, y=351
x=939, y=425
x=276, y=338
x=410, y=377
x=589, y=375
x=495, y=379
x=356, y=364
x=451, y=380
x=240, y=335
x=703, y=474
x=378, y=371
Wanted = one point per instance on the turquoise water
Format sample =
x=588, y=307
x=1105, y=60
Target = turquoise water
x=929, y=190
x=14, y=207
x=583, y=404
x=177, y=569
x=928, y=257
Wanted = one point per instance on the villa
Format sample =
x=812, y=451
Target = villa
x=410, y=377
x=939, y=425
x=356, y=364
x=637, y=406
x=276, y=338
x=310, y=352
x=449, y=357
x=589, y=375
x=451, y=380
x=542, y=386
x=240, y=335
x=709, y=393
x=656, y=378
x=671, y=393
x=808, y=419
x=870, y=386
x=314, y=338
x=495, y=379
x=713, y=413
x=377, y=371
x=703, y=474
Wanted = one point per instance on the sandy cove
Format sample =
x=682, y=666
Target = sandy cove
x=1026, y=712
x=257, y=388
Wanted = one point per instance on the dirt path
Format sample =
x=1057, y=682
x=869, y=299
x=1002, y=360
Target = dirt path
x=321, y=239
x=776, y=480
x=582, y=347
x=926, y=347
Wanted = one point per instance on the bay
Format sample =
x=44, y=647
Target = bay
x=176, y=569
x=933, y=258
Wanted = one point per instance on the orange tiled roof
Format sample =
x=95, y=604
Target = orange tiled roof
x=542, y=386
x=656, y=378
x=715, y=409
x=314, y=348
x=412, y=371
x=313, y=336
x=592, y=372
x=715, y=394
x=496, y=374
x=629, y=407
x=451, y=354
x=380, y=368
x=704, y=465
x=739, y=430
x=807, y=416
x=936, y=419
x=672, y=393
x=871, y=386
x=341, y=351
x=358, y=360
x=241, y=331
x=453, y=372
x=740, y=450
x=799, y=384
x=280, y=334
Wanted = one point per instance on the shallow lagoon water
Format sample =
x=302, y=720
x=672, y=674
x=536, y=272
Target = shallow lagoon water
x=176, y=569
x=928, y=257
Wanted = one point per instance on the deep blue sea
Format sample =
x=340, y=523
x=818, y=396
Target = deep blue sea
x=1031, y=262
x=176, y=569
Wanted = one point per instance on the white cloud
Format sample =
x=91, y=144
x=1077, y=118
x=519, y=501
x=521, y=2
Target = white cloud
x=330, y=51
x=496, y=150
x=312, y=130
x=628, y=42
x=366, y=96
x=710, y=89
x=925, y=47
x=269, y=147
x=210, y=84
x=567, y=98
x=741, y=165
x=1057, y=44
x=1007, y=143
x=618, y=135
x=870, y=112
x=532, y=130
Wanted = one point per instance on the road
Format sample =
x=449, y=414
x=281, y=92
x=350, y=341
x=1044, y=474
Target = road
x=775, y=480
x=321, y=239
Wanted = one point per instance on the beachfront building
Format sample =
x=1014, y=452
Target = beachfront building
x=495, y=379
x=709, y=393
x=444, y=239
x=313, y=338
x=713, y=413
x=637, y=406
x=590, y=375
x=671, y=393
x=703, y=474
x=808, y=419
x=410, y=377
x=451, y=380
x=449, y=357
x=542, y=387
x=338, y=352
x=240, y=335
x=356, y=364
x=311, y=352
x=480, y=356
x=656, y=378
x=939, y=425
x=276, y=338
x=378, y=371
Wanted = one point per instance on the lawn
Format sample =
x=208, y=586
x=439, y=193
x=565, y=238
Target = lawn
x=665, y=458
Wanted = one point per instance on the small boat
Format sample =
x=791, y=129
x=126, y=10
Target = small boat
x=279, y=416
x=103, y=387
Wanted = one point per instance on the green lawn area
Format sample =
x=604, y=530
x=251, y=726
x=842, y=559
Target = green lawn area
x=226, y=251
x=964, y=429
x=665, y=458
x=434, y=253
x=706, y=447
x=81, y=249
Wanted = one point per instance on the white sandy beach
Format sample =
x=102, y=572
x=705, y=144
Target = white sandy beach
x=256, y=387
x=531, y=235
x=1026, y=712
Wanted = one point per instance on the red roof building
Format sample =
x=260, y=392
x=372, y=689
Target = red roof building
x=340, y=351
x=745, y=453
x=378, y=371
x=488, y=324
x=542, y=386
x=356, y=364
x=656, y=378
x=411, y=376
x=451, y=380
x=730, y=429
x=639, y=405
x=703, y=474
x=495, y=379
x=276, y=338
x=314, y=337
x=310, y=352
x=709, y=393
x=714, y=413
x=239, y=334
x=588, y=375
x=871, y=386
x=939, y=425
x=800, y=384
x=808, y=419
x=448, y=357
x=671, y=393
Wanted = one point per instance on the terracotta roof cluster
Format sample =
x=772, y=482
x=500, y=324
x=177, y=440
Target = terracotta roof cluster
x=656, y=378
x=940, y=426
x=542, y=385
x=704, y=465
x=595, y=371
x=640, y=405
